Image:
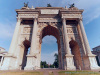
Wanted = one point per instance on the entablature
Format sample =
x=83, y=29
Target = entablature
x=49, y=14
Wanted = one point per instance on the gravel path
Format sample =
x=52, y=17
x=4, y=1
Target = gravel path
x=47, y=71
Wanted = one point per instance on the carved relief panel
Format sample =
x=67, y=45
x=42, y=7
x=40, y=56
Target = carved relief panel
x=71, y=30
x=27, y=30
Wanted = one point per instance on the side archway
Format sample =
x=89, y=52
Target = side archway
x=75, y=50
x=23, y=52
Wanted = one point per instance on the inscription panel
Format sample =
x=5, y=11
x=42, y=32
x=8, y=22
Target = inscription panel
x=71, y=15
x=47, y=11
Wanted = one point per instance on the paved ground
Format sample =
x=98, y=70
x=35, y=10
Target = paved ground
x=47, y=71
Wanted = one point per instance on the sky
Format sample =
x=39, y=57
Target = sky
x=91, y=21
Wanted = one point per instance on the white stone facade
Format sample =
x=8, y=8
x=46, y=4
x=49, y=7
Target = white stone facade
x=63, y=23
x=96, y=51
x=2, y=53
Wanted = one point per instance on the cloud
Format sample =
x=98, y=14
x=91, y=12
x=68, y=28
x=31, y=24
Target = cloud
x=91, y=8
x=88, y=17
x=49, y=58
x=87, y=5
x=6, y=30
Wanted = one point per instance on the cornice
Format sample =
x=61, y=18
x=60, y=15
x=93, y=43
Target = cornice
x=71, y=11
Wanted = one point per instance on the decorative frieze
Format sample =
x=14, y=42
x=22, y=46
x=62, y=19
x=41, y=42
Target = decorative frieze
x=49, y=20
x=71, y=15
x=54, y=24
x=28, y=15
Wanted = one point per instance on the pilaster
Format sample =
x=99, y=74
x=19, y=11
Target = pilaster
x=32, y=57
x=68, y=56
x=15, y=37
x=89, y=60
x=87, y=47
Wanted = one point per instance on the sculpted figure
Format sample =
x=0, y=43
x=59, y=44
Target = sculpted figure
x=26, y=4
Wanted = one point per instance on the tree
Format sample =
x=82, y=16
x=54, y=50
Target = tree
x=56, y=64
x=44, y=64
x=49, y=5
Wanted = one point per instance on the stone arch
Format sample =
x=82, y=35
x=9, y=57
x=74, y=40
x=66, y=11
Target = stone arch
x=75, y=50
x=54, y=31
x=23, y=52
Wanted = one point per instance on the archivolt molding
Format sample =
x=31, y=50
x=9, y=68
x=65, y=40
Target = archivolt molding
x=41, y=26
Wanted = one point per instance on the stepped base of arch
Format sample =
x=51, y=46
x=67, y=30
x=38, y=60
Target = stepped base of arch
x=69, y=63
x=31, y=62
x=8, y=63
x=93, y=62
x=90, y=62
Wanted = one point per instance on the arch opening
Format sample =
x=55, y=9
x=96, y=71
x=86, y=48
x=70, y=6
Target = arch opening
x=53, y=33
x=75, y=50
x=25, y=51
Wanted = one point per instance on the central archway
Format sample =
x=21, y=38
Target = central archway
x=53, y=31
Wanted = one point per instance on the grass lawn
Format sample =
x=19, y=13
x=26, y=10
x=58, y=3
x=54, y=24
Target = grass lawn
x=78, y=73
x=20, y=73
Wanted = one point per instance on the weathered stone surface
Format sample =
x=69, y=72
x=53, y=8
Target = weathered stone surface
x=64, y=24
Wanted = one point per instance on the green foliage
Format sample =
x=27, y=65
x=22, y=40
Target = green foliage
x=56, y=64
x=44, y=64
x=49, y=5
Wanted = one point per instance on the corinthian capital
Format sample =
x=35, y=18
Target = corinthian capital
x=80, y=19
x=19, y=19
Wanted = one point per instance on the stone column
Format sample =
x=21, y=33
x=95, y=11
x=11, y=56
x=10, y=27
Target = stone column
x=15, y=37
x=9, y=58
x=89, y=61
x=87, y=47
x=67, y=50
x=33, y=41
x=32, y=57
x=68, y=56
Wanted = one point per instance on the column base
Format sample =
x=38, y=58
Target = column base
x=31, y=62
x=8, y=63
x=93, y=62
x=69, y=63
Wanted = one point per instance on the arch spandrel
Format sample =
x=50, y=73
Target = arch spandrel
x=54, y=26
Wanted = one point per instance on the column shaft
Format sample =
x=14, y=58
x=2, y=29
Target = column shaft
x=33, y=41
x=15, y=37
x=87, y=47
x=67, y=50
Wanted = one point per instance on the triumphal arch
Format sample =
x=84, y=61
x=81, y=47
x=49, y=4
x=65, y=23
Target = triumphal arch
x=65, y=24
